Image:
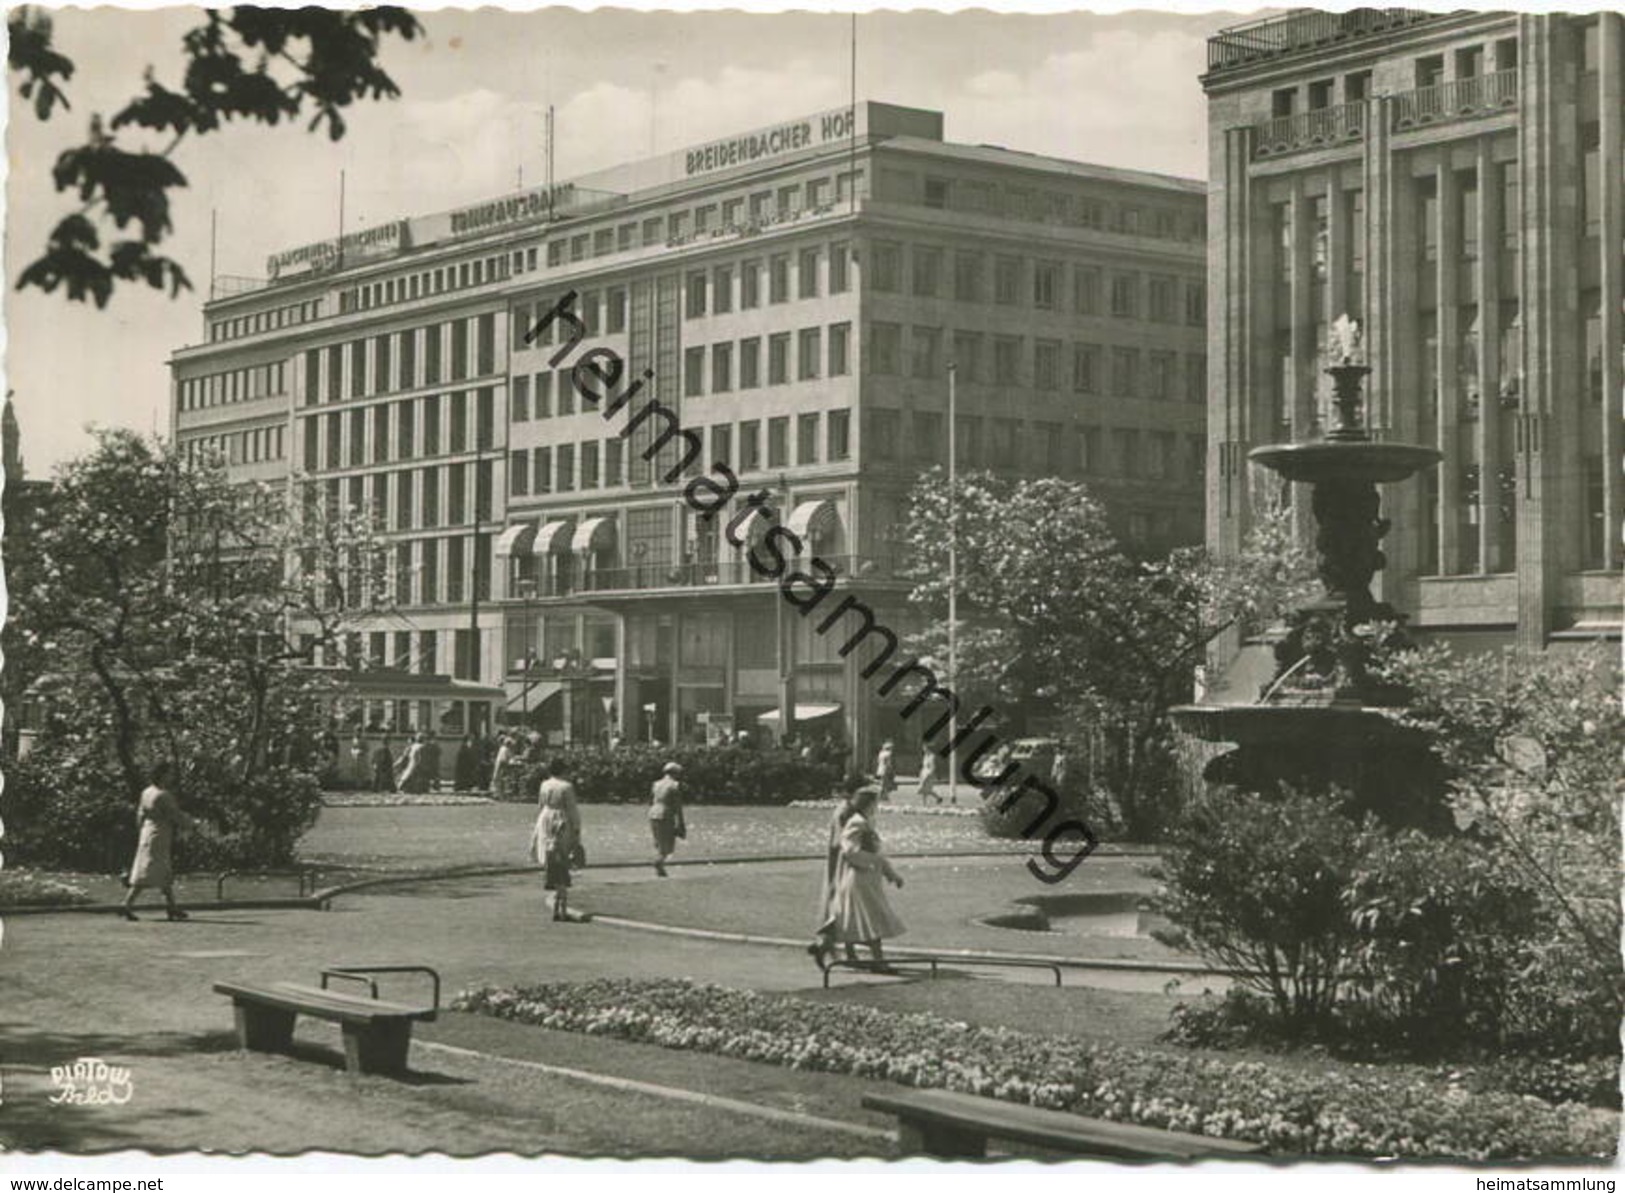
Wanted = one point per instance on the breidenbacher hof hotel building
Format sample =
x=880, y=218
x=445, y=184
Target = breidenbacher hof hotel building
x=797, y=292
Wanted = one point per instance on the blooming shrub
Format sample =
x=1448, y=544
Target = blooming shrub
x=1347, y=1111
x=27, y=888
x=711, y=774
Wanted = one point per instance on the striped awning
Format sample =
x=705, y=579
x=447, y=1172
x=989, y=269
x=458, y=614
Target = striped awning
x=553, y=538
x=516, y=539
x=814, y=520
x=750, y=531
x=594, y=534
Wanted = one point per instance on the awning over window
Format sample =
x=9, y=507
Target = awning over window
x=552, y=539
x=594, y=534
x=538, y=695
x=804, y=712
x=749, y=532
x=814, y=520
x=516, y=539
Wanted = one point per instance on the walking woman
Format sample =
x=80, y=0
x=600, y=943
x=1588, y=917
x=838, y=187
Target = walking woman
x=556, y=839
x=666, y=814
x=158, y=816
x=859, y=911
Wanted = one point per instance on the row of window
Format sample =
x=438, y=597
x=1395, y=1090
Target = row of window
x=600, y=314
x=561, y=468
x=1043, y=284
x=444, y=280
x=235, y=385
x=290, y=315
x=410, y=429
x=1118, y=370
x=1048, y=447
x=1070, y=208
x=238, y=447
x=732, y=214
x=816, y=355
x=400, y=360
x=714, y=291
x=411, y=498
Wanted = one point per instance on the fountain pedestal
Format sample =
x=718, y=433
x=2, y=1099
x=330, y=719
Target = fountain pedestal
x=1319, y=721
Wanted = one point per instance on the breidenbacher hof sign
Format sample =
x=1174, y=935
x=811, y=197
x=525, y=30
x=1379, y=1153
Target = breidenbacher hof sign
x=754, y=146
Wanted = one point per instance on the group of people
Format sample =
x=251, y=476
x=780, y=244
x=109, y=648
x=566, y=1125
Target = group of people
x=481, y=763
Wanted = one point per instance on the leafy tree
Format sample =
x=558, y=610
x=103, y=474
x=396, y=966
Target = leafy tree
x=1059, y=619
x=263, y=65
x=170, y=613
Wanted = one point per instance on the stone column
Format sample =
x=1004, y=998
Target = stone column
x=1448, y=242
x=1486, y=436
x=1611, y=111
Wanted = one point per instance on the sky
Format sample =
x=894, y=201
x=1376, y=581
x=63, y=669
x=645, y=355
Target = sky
x=1118, y=89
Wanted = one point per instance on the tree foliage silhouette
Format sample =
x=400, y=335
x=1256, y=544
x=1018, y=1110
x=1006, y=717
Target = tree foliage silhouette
x=263, y=65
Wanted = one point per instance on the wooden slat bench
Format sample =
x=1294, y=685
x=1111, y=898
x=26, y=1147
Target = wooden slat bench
x=377, y=1034
x=938, y=1122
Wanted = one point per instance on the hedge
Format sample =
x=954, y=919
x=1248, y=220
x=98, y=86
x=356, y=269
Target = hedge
x=711, y=774
x=1349, y=1110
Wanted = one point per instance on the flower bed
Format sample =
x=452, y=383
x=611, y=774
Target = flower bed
x=31, y=888
x=1350, y=1110
x=894, y=808
x=399, y=799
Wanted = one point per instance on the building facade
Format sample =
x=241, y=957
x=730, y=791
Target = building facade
x=1454, y=182
x=793, y=295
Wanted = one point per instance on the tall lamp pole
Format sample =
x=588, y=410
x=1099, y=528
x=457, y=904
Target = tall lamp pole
x=474, y=553
x=953, y=582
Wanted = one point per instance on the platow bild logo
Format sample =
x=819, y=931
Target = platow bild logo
x=91, y=1082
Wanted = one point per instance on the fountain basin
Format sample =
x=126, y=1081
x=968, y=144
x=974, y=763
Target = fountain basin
x=1340, y=725
x=1372, y=463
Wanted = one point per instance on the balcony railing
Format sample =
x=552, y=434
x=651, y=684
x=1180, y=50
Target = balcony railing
x=1320, y=128
x=1303, y=29
x=1482, y=95
x=731, y=572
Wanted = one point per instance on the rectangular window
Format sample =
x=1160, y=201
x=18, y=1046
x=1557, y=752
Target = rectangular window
x=1046, y=285
x=807, y=438
x=887, y=267
x=885, y=348
x=564, y=464
x=840, y=349
x=968, y=277
x=778, y=358
x=693, y=372
x=589, y=464
x=613, y=473
x=1196, y=378
x=541, y=469
x=778, y=281
x=615, y=310
x=519, y=402
x=750, y=445
x=750, y=285
x=926, y=343
x=1007, y=281
x=927, y=271
x=1162, y=291
x=809, y=348
x=807, y=274
x=380, y=433
x=429, y=411
x=1007, y=360
x=1125, y=296
x=839, y=274
x=541, y=405
x=431, y=355
x=778, y=442
x=694, y=306
x=518, y=474
x=358, y=368
x=839, y=431
x=722, y=444
x=750, y=362
x=968, y=355
x=722, y=289
x=358, y=438
x=1162, y=367
x=403, y=501
x=722, y=368
x=1085, y=368
x=459, y=349
x=486, y=337
x=382, y=380
x=883, y=433
x=1047, y=364
x=1196, y=301
x=1126, y=372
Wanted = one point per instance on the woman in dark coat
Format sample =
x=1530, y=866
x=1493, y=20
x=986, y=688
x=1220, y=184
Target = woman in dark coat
x=468, y=766
x=383, y=767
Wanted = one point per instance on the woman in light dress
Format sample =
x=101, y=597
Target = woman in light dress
x=858, y=911
x=556, y=839
x=158, y=816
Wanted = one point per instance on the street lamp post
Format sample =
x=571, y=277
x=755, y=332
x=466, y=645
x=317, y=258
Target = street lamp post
x=953, y=584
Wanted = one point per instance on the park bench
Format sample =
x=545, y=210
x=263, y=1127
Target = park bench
x=377, y=1034
x=938, y=1122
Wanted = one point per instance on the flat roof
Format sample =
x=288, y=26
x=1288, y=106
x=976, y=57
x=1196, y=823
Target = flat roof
x=998, y=155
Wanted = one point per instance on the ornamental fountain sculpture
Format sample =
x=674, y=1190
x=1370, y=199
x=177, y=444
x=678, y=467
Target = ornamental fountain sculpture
x=1319, y=722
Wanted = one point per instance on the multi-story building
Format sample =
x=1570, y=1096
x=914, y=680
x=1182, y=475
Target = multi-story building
x=795, y=295
x=1454, y=182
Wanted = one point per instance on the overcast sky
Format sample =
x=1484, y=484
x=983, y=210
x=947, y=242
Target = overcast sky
x=1116, y=89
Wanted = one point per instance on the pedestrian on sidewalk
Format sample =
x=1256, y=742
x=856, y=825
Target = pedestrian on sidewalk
x=383, y=766
x=666, y=814
x=928, y=778
x=158, y=817
x=505, y=756
x=555, y=842
x=468, y=766
x=823, y=942
x=886, y=771
x=860, y=911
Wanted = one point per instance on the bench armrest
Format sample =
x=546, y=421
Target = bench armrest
x=354, y=972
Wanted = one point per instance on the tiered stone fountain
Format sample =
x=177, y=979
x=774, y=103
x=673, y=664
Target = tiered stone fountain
x=1319, y=722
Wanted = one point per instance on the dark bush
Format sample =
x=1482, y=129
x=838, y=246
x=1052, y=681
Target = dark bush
x=711, y=774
